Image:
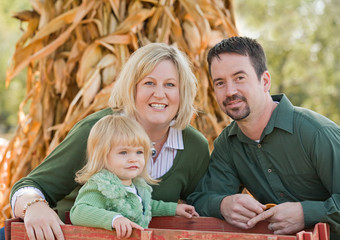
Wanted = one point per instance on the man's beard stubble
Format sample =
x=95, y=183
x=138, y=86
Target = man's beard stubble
x=236, y=114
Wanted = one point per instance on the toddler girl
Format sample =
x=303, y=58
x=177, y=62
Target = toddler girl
x=115, y=194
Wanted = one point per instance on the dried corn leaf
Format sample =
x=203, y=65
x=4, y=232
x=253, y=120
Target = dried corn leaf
x=73, y=52
x=91, y=87
x=89, y=60
x=56, y=24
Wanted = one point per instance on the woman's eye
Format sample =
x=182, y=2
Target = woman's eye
x=148, y=83
x=170, y=84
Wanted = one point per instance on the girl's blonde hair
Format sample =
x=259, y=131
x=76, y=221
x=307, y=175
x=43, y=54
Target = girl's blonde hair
x=105, y=134
x=141, y=63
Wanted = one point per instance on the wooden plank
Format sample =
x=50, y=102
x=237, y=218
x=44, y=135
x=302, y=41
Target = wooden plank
x=185, y=229
x=18, y=232
x=204, y=224
x=166, y=234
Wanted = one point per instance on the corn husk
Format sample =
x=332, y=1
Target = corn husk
x=73, y=52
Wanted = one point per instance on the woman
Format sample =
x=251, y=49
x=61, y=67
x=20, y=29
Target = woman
x=157, y=88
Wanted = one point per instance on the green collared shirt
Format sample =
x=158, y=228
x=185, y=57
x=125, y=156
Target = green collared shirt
x=296, y=160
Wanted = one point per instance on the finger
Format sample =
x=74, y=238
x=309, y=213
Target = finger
x=58, y=233
x=118, y=231
x=60, y=222
x=123, y=231
x=195, y=214
x=39, y=234
x=47, y=231
x=240, y=225
x=128, y=231
x=30, y=233
x=271, y=226
x=281, y=231
x=241, y=218
x=262, y=216
x=187, y=215
x=135, y=225
x=256, y=208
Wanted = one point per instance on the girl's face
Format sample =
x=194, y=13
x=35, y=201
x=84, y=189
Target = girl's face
x=126, y=162
x=158, y=97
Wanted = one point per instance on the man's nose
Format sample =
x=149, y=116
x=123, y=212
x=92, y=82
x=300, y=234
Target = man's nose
x=230, y=89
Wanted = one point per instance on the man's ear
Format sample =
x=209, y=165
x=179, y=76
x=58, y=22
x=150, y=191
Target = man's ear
x=266, y=81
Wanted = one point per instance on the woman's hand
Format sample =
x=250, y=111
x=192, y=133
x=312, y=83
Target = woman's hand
x=124, y=226
x=186, y=210
x=40, y=220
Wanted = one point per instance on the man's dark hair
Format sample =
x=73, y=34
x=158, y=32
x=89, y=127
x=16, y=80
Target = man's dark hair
x=244, y=46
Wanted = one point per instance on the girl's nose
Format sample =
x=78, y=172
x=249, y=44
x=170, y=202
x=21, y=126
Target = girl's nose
x=132, y=159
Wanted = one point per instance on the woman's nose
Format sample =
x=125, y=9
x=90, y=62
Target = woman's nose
x=159, y=91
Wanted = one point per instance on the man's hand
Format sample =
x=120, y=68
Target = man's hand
x=285, y=218
x=238, y=209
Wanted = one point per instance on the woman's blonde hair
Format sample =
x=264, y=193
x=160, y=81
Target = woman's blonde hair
x=141, y=63
x=105, y=134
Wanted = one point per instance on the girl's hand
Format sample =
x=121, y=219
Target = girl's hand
x=124, y=226
x=186, y=210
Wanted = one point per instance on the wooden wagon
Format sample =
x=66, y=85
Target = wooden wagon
x=165, y=228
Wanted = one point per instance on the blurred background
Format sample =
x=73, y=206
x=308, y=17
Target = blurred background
x=300, y=38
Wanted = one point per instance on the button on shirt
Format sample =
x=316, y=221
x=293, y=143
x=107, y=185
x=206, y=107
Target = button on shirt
x=296, y=159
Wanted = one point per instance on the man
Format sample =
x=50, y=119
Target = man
x=282, y=154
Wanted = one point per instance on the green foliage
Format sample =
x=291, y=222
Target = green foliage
x=301, y=40
x=10, y=97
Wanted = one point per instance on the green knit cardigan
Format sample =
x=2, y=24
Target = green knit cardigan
x=104, y=196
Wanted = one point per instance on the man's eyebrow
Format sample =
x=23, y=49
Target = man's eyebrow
x=216, y=79
x=239, y=72
x=234, y=74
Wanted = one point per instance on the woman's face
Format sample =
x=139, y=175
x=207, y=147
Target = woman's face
x=157, y=96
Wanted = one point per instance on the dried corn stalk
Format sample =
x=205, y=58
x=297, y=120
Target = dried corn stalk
x=73, y=51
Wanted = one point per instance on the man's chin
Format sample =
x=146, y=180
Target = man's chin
x=237, y=117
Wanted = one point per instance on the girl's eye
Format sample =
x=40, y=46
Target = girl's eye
x=140, y=152
x=123, y=152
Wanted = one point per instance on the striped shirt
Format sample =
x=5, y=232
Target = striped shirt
x=167, y=154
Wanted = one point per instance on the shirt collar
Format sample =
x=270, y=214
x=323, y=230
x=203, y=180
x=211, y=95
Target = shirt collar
x=282, y=117
x=175, y=139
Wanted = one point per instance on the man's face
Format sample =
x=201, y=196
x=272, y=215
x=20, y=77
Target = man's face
x=238, y=91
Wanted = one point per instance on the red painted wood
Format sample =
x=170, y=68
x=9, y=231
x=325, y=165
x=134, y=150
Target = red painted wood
x=18, y=232
x=181, y=228
x=204, y=224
